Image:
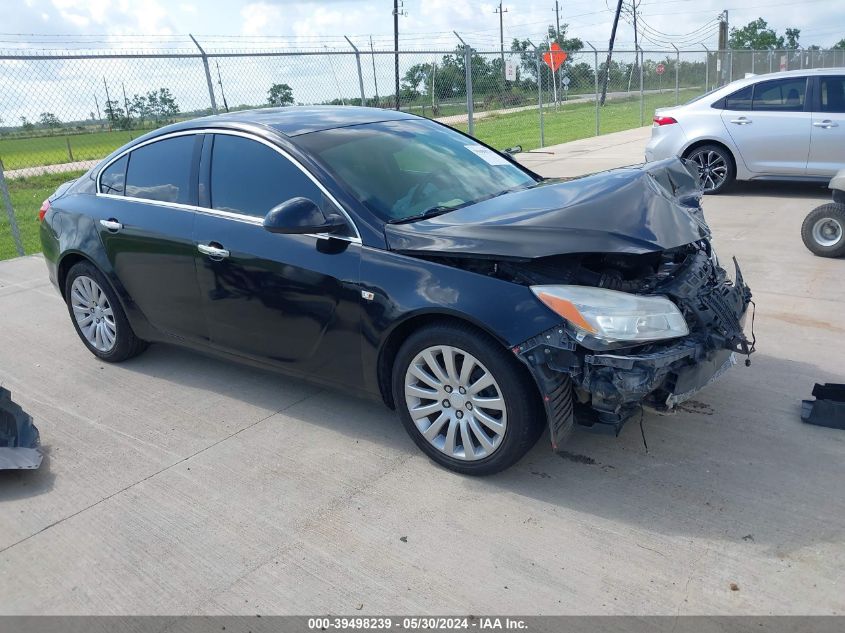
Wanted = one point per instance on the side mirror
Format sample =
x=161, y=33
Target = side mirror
x=301, y=215
x=516, y=149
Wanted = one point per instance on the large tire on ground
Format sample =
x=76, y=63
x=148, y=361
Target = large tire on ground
x=823, y=230
x=97, y=315
x=716, y=167
x=464, y=400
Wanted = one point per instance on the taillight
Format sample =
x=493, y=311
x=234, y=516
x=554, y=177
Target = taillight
x=45, y=206
x=663, y=120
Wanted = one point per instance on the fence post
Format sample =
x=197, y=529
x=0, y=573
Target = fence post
x=677, y=75
x=771, y=55
x=358, y=63
x=730, y=65
x=706, y=67
x=468, y=77
x=596, y=77
x=207, y=75
x=642, y=91
x=7, y=202
x=753, y=57
x=538, y=55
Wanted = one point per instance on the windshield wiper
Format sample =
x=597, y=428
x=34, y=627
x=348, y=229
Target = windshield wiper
x=428, y=213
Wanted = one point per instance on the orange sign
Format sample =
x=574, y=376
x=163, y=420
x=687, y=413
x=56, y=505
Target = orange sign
x=554, y=58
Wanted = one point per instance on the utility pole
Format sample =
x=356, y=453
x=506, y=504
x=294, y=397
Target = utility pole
x=610, y=51
x=397, y=5
x=109, y=104
x=557, y=18
x=501, y=11
x=723, y=43
x=220, y=83
x=375, y=78
x=125, y=100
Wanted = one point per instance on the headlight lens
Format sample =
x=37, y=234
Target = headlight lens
x=614, y=317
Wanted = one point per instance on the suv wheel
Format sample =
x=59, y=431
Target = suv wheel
x=464, y=400
x=716, y=168
x=97, y=315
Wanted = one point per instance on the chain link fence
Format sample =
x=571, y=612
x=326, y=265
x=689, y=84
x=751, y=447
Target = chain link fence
x=59, y=113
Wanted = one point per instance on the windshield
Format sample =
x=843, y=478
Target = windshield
x=403, y=169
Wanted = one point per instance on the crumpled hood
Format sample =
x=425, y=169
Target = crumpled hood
x=638, y=209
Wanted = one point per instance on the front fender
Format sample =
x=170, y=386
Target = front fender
x=405, y=288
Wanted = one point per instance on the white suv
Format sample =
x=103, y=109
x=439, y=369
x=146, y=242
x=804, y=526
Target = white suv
x=780, y=126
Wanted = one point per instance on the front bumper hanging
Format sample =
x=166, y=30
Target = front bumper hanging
x=20, y=442
x=604, y=389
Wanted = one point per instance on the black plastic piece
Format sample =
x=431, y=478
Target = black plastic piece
x=828, y=409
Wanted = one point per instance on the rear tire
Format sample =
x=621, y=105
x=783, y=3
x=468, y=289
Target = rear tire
x=716, y=167
x=823, y=230
x=97, y=315
x=499, y=422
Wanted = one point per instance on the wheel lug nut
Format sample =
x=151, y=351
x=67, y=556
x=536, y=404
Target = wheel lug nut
x=469, y=406
x=446, y=404
x=462, y=390
x=459, y=414
x=448, y=389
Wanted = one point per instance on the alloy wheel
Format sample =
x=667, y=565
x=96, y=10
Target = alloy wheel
x=827, y=232
x=455, y=403
x=93, y=313
x=712, y=168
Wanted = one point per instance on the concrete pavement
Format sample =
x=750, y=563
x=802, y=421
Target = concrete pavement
x=176, y=483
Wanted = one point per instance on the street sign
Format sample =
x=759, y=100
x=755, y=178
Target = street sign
x=510, y=70
x=661, y=68
x=565, y=81
x=555, y=57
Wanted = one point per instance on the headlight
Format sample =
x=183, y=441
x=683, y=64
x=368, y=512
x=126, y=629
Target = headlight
x=614, y=317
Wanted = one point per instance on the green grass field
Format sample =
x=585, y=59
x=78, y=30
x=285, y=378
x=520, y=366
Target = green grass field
x=27, y=195
x=51, y=150
x=570, y=122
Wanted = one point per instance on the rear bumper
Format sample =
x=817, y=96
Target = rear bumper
x=665, y=142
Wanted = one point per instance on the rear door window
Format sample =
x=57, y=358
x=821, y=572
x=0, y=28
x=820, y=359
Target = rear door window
x=780, y=95
x=161, y=171
x=832, y=94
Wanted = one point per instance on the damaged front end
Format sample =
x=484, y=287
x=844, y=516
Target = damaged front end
x=609, y=380
x=648, y=314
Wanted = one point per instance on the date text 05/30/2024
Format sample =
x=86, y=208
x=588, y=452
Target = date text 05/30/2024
x=420, y=623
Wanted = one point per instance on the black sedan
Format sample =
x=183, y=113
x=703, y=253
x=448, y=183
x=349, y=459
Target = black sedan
x=397, y=258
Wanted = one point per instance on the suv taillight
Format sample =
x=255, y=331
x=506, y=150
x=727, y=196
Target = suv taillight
x=663, y=120
x=45, y=206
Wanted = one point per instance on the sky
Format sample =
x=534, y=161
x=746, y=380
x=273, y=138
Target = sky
x=428, y=23
x=77, y=89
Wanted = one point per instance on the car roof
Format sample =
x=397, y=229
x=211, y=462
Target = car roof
x=785, y=74
x=296, y=120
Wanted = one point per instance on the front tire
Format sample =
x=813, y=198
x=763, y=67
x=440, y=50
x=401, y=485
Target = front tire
x=464, y=400
x=97, y=315
x=823, y=230
x=716, y=167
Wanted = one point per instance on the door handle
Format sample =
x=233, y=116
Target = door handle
x=741, y=121
x=827, y=123
x=213, y=251
x=111, y=225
